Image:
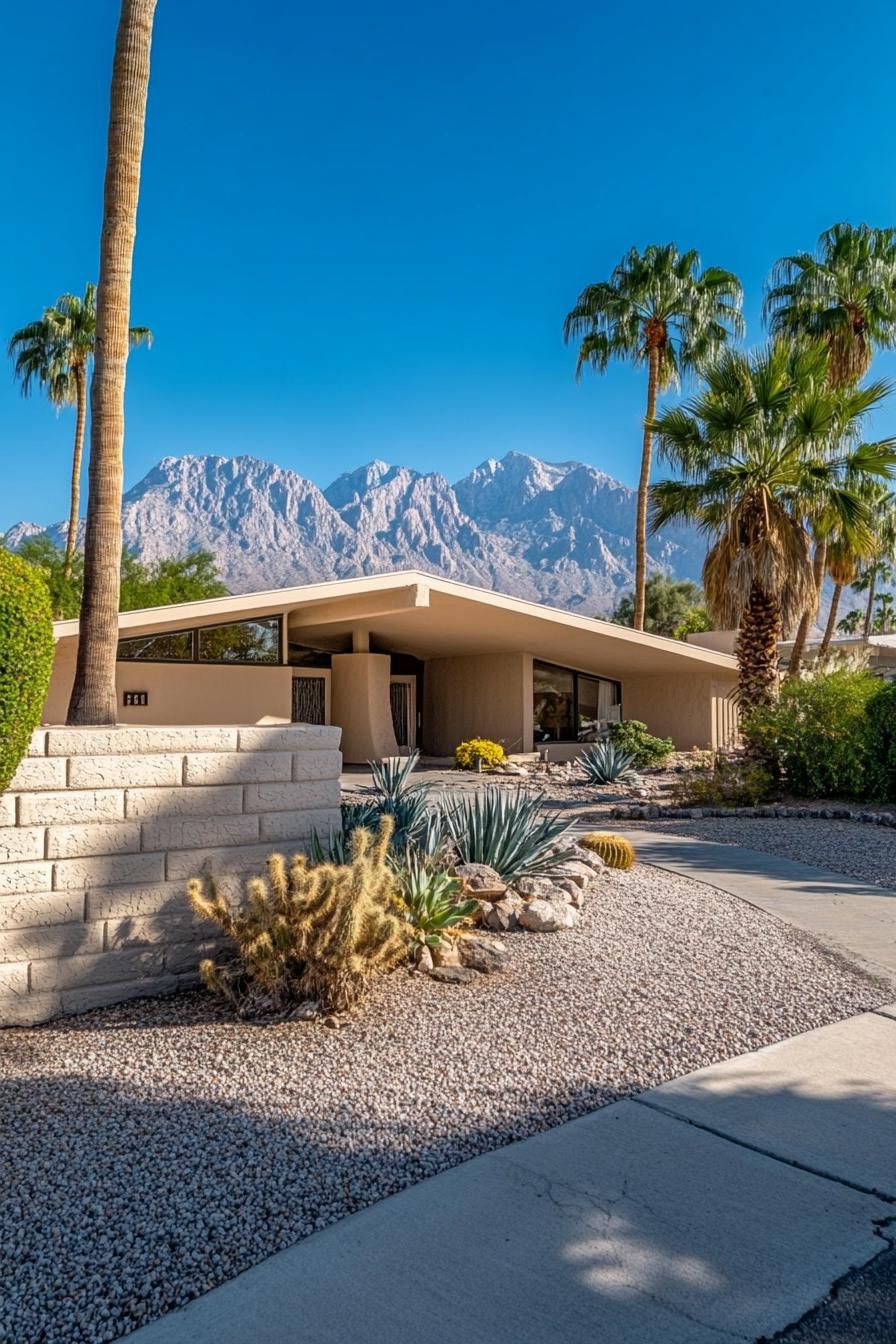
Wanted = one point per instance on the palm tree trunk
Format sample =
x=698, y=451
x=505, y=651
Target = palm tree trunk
x=94, y=699
x=819, y=560
x=653, y=368
x=71, y=541
x=832, y=617
x=869, y=606
x=757, y=651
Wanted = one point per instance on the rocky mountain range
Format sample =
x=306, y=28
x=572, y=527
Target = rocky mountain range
x=557, y=532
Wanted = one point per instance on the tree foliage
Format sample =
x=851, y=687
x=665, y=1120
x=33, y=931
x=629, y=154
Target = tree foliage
x=669, y=605
x=26, y=658
x=189, y=578
x=816, y=733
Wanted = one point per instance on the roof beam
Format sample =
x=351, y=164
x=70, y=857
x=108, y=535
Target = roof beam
x=359, y=608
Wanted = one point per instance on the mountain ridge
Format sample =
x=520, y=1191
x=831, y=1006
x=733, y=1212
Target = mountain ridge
x=558, y=532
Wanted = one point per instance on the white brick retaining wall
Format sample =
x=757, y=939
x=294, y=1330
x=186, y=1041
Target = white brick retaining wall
x=102, y=827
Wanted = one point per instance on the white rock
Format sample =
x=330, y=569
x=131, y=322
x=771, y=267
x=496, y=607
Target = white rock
x=548, y=916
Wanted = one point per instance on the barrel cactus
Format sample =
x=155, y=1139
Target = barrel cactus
x=615, y=850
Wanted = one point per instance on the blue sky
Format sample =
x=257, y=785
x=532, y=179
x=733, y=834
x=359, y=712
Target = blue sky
x=361, y=225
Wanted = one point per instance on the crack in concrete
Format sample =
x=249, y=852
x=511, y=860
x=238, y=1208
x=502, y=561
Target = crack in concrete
x=572, y=1208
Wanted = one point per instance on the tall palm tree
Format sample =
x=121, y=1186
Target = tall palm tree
x=843, y=293
x=757, y=451
x=849, y=624
x=842, y=568
x=55, y=352
x=93, y=699
x=660, y=309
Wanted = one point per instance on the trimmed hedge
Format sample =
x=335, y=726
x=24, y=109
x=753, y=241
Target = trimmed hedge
x=26, y=658
x=881, y=726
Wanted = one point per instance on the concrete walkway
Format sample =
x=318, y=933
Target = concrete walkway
x=718, y=1208
x=855, y=918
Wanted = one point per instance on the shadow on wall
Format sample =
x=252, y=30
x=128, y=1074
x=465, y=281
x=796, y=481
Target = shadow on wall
x=142, y=1195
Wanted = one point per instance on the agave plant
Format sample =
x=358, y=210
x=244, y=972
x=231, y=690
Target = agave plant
x=606, y=763
x=430, y=900
x=392, y=776
x=508, y=831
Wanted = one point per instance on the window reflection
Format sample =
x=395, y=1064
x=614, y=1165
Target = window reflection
x=569, y=706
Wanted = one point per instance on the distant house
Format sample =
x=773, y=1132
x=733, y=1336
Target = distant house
x=407, y=659
x=879, y=650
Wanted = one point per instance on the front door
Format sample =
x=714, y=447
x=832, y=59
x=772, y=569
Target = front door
x=403, y=701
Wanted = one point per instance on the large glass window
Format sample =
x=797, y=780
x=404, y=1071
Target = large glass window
x=174, y=647
x=241, y=642
x=238, y=642
x=569, y=706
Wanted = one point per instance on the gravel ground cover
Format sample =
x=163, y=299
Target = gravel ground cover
x=151, y=1151
x=867, y=853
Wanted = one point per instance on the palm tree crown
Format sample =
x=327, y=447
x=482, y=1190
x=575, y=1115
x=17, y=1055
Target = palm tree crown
x=656, y=300
x=54, y=353
x=767, y=443
x=660, y=309
x=844, y=293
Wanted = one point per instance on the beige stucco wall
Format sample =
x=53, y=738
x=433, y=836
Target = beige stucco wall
x=359, y=691
x=188, y=693
x=487, y=695
x=683, y=708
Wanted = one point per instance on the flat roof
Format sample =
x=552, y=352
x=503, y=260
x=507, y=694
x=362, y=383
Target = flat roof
x=414, y=612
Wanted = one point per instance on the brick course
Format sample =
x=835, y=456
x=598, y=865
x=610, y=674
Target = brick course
x=101, y=828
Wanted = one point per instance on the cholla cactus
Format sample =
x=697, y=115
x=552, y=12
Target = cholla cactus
x=615, y=850
x=309, y=932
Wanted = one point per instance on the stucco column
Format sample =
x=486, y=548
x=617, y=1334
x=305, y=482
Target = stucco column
x=360, y=706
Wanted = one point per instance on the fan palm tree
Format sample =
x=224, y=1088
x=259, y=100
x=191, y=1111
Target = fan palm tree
x=849, y=624
x=878, y=566
x=757, y=451
x=55, y=353
x=884, y=614
x=843, y=293
x=94, y=699
x=843, y=568
x=660, y=309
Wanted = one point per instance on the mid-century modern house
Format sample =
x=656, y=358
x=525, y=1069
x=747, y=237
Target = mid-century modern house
x=407, y=659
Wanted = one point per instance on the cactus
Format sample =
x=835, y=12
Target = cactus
x=615, y=850
x=308, y=932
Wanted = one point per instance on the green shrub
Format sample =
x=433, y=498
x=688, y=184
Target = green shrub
x=815, y=735
x=632, y=736
x=880, y=722
x=726, y=783
x=26, y=658
x=469, y=754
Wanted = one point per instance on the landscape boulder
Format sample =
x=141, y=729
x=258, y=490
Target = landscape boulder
x=481, y=881
x=487, y=955
x=454, y=975
x=504, y=916
x=548, y=916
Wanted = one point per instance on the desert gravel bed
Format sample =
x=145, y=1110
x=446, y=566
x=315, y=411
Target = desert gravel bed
x=867, y=853
x=153, y=1150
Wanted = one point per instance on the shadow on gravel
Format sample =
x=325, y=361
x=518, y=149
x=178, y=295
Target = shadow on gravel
x=118, y=1204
